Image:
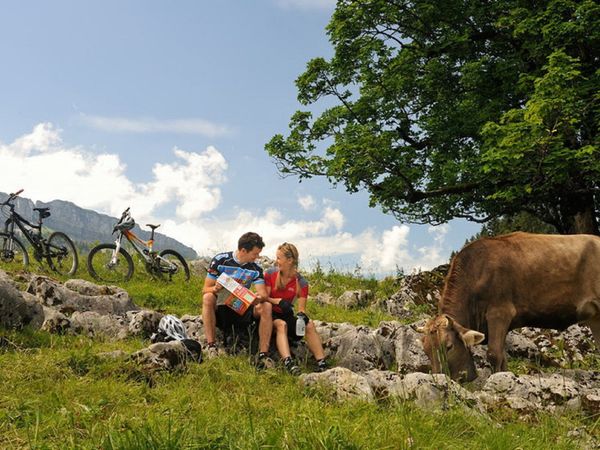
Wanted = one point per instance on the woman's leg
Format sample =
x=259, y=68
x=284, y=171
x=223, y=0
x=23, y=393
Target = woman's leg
x=313, y=341
x=281, y=338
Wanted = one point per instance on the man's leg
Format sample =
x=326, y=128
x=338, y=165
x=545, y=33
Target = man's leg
x=264, y=311
x=209, y=319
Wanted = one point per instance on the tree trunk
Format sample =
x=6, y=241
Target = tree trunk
x=578, y=214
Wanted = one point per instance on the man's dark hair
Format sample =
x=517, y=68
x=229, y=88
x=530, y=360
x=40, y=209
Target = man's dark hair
x=250, y=240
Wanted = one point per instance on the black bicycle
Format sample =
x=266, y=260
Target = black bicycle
x=112, y=263
x=58, y=249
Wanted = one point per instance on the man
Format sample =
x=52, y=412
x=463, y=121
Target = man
x=241, y=266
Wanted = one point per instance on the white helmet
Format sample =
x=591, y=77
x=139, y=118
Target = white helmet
x=172, y=327
x=126, y=223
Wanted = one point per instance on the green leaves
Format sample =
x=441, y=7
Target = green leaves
x=448, y=109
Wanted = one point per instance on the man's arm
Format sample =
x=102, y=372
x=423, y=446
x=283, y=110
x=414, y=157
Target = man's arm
x=211, y=286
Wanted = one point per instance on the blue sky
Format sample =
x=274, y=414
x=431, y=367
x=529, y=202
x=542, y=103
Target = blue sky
x=166, y=107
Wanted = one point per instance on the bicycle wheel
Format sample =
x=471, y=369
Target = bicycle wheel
x=103, y=267
x=12, y=250
x=172, y=266
x=62, y=254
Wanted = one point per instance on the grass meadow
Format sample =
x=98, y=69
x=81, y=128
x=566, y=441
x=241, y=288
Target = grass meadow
x=56, y=392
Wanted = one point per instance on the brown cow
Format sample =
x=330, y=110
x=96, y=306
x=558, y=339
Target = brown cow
x=497, y=284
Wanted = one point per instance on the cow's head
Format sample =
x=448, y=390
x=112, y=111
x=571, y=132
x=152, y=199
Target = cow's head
x=448, y=346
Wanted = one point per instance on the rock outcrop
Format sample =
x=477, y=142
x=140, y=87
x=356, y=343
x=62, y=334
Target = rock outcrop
x=371, y=364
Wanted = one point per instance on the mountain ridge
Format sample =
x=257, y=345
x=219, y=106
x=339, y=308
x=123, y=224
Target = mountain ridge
x=87, y=226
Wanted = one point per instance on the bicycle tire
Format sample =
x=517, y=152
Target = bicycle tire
x=7, y=251
x=61, y=254
x=179, y=261
x=99, y=267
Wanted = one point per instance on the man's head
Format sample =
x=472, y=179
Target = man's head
x=249, y=247
x=448, y=346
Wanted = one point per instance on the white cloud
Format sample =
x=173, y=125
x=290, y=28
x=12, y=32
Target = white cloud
x=334, y=216
x=307, y=202
x=151, y=125
x=306, y=4
x=379, y=253
x=391, y=250
x=44, y=138
x=191, y=186
x=47, y=169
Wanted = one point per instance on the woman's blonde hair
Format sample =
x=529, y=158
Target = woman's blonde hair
x=291, y=252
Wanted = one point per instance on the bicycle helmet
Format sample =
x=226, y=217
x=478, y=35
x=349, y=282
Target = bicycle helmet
x=172, y=327
x=126, y=223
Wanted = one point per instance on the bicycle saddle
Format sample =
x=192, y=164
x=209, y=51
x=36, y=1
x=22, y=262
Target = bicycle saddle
x=154, y=227
x=43, y=212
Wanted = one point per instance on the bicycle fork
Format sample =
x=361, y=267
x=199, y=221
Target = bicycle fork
x=113, y=260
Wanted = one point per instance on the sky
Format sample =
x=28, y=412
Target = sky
x=165, y=107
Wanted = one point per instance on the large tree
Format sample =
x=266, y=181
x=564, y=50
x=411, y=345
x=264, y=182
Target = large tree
x=446, y=109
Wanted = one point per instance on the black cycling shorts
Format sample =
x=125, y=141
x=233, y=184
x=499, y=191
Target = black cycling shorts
x=227, y=317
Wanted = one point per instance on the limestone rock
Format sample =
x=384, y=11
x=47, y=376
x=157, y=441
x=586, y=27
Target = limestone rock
x=168, y=356
x=143, y=323
x=344, y=383
x=18, y=310
x=51, y=293
x=355, y=299
x=94, y=324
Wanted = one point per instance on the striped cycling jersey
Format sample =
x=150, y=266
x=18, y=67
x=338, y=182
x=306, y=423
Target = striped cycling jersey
x=246, y=274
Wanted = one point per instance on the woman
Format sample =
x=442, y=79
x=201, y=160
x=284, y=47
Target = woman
x=287, y=288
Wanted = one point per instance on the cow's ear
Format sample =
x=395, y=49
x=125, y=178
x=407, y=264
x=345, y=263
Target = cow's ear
x=472, y=337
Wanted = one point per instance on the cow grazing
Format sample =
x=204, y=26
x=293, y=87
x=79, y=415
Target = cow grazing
x=497, y=284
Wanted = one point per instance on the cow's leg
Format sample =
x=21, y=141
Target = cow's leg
x=589, y=314
x=498, y=323
x=595, y=327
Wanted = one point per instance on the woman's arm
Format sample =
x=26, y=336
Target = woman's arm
x=274, y=301
x=302, y=304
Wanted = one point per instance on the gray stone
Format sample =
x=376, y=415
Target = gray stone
x=85, y=287
x=344, y=384
x=55, y=321
x=322, y=298
x=18, y=310
x=360, y=349
x=200, y=266
x=537, y=392
x=51, y=293
x=408, y=349
x=355, y=299
x=167, y=356
x=143, y=323
x=94, y=324
x=430, y=391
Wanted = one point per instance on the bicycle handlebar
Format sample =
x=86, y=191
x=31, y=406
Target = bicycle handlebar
x=12, y=196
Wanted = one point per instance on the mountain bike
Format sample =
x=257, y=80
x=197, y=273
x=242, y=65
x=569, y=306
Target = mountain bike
x=58, y=249
x=112, y=263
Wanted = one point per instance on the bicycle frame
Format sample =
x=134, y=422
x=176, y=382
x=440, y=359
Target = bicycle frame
x=35, y=239
x=145, y=252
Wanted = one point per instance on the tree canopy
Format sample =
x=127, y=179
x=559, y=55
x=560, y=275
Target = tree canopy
x=446, y=109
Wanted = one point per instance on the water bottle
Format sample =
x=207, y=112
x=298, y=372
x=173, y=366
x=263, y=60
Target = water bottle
x=300, y=326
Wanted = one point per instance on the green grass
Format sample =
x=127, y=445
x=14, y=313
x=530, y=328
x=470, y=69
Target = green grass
x=58, y=392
